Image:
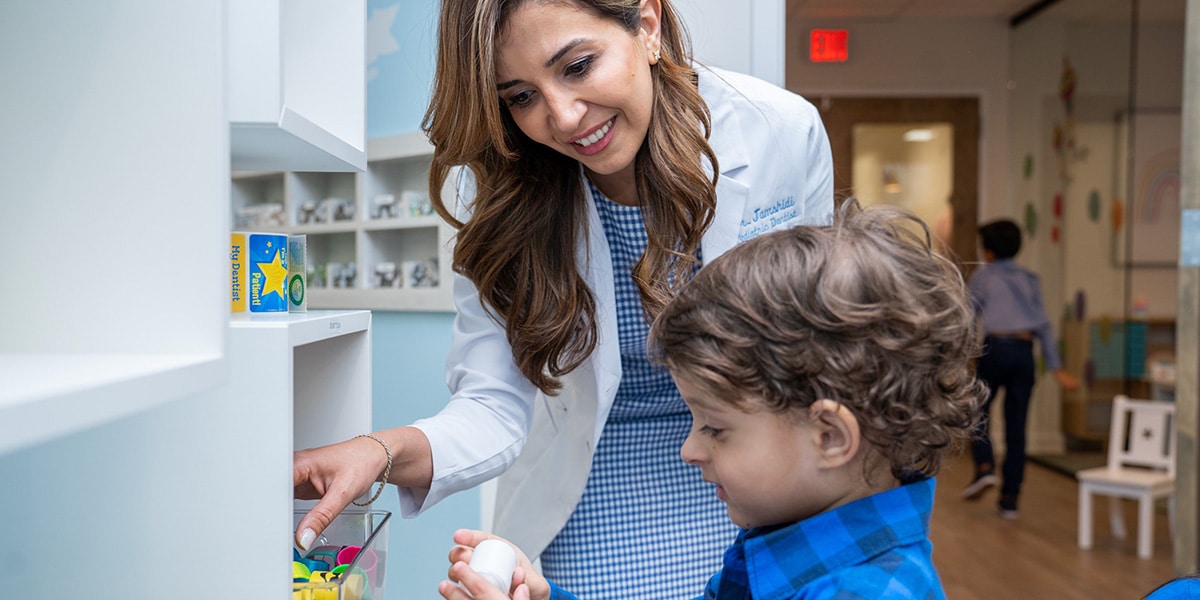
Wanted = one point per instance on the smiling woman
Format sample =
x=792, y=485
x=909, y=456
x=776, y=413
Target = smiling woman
x=592, y=167
x=592, y=99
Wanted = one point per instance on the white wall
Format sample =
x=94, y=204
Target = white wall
x=745, y=36
x=920, y=58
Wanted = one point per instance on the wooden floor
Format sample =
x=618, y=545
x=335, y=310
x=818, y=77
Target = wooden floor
x=983, y=557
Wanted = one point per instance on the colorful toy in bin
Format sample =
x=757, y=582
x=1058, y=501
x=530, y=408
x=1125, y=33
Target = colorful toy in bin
x=324, y=585
x=326, y=554
x=300, y=570
x=311, y=565
x=347, y=554
x=343, y=582
x=348, y=560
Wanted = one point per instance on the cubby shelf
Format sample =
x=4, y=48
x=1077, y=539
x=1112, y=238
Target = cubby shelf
x=380, y=221
x=296, y=380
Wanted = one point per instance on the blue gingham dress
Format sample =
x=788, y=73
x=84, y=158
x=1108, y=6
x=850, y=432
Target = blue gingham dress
x=647, y=527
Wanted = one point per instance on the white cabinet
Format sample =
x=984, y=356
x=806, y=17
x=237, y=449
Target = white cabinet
x=126, y=471
x=373, y=240
x=116, y=163
x=115, y=184
x=297, y=85
x=297, y=380
x=196, y=493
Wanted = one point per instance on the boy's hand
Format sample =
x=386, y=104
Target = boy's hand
x=526, y=584
x=1066, y=381
x=477, y=588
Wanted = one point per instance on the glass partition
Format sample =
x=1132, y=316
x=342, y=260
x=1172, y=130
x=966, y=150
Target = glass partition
x=1096, y=90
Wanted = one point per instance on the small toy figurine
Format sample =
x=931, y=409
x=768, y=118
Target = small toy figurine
x=345, y=275
x=317, y=276
x=343, y=210
x=419, y=204
x=387, y=203
x=421, y=273
x=308, y=213
x=386, y=275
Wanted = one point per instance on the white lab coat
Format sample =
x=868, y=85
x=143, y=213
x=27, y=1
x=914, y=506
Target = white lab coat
x=776, y=172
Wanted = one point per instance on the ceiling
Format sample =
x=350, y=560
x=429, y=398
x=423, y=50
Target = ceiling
x=1076, y=11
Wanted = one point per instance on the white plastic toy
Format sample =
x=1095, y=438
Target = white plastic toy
x=495, y=561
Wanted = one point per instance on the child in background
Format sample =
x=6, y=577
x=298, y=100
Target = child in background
x=1008, y=298
x=827, y=370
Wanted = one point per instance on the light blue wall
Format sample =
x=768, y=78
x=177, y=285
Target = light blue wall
x=401, y=46
x=409, y=356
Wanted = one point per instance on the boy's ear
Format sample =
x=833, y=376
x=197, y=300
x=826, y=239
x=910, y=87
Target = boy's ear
x=838, y=433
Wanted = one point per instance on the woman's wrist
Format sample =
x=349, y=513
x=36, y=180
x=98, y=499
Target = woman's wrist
x=412, y=458
x=385, y=472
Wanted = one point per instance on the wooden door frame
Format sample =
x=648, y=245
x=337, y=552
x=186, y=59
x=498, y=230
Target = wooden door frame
x=840, y=114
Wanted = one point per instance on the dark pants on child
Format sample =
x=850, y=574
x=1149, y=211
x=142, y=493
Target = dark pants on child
x=1007, y=363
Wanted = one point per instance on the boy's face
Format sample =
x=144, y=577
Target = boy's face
x=766, y=465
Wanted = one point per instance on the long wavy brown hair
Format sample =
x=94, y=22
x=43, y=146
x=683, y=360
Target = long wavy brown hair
x=528, y=215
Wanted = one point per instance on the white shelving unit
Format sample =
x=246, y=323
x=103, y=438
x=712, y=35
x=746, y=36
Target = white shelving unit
x=297, y=77
x=98, y=269
x=137, y=422
x=348, y=221
x=312, y=371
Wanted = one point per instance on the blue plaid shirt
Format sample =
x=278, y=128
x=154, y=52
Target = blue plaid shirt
x=874, y=548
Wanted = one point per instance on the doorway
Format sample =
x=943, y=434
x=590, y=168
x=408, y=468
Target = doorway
x=918, y=153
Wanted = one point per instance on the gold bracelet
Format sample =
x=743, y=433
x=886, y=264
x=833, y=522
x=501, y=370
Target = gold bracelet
x=386, y=470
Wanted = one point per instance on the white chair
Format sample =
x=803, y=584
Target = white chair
x=1141, y=466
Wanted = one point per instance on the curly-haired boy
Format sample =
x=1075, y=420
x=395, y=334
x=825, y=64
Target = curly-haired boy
x=828, y=371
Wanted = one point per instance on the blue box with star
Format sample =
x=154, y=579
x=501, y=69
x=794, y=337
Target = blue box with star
x=258, y=267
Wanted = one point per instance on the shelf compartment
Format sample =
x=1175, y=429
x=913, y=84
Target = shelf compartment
x=409, y=256
x=325, y=250
x=397, y=188
x=321, y=198
x=258, y=201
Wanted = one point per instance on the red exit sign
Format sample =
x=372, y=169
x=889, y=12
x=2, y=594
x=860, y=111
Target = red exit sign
x=829, y=45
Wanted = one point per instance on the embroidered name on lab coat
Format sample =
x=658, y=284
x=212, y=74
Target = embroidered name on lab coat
x=762, y=220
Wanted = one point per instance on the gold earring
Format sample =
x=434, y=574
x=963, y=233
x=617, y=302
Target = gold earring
x=657, y=57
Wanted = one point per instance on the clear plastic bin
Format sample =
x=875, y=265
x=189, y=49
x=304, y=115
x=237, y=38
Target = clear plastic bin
x=358, y=541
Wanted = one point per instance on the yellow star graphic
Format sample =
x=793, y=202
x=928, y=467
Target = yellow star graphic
x=274, y=275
